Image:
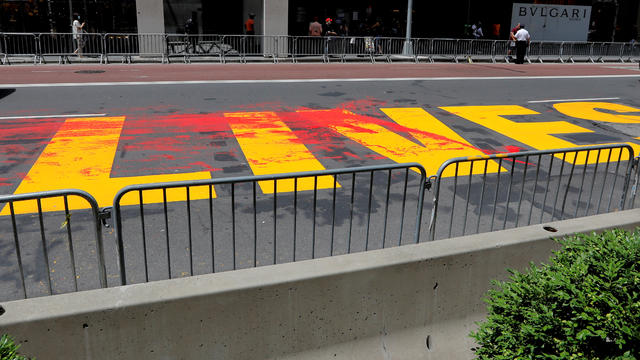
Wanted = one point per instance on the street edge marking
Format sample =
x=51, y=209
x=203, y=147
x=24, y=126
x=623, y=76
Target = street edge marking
x=569, y=100
x=285, y=81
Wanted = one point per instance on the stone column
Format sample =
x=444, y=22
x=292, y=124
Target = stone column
x=276, y=26
x=150, y=15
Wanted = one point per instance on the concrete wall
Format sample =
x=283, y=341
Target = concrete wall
x=150, y=16
x=411, y=302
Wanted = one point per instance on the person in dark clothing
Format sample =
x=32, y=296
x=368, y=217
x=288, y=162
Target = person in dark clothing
x=329, y=33
x=522, y=42
x=191, y=29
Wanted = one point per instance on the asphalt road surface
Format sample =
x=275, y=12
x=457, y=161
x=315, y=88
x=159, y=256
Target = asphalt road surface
x=100, y=128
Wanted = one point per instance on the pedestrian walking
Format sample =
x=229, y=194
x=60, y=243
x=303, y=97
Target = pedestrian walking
x=250, y=30
x=76, y=29
x=250, y=24
x=191, y=30
x=522, y=42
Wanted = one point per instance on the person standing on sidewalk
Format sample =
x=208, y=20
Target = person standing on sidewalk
x=76, y=29
x=315, y=31
x=250, y=30
x=522, y=42
x=512, y=41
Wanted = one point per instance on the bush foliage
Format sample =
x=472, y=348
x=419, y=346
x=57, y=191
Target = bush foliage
x=9, y=349
x=584, y=304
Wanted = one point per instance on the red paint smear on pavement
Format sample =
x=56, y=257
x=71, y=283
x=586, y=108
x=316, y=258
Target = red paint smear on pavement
x=508, y=149
x=205, y=166
x=22, y=140
x=363, y=106
x=322, y=119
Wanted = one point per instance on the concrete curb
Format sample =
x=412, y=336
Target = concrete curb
x=414, y=302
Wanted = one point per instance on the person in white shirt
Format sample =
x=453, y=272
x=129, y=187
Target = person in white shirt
x=522, y=41
x=76, y=29
x=477, y=30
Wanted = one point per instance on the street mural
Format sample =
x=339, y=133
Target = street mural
x=101, y=155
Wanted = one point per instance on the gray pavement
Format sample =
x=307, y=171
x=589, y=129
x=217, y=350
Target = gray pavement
x=213, y=147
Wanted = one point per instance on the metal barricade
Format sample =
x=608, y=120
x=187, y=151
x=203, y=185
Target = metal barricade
x=389, y=49
x=482, y=50
x=125, y=47
x=608, y=51
x=635, y=184
x=423, y=49
x=256, y=48
x=542, y=51
x=501, y=50
x=334, y=48
x=444, y=49
x=215, y=225
x=46, y=254
x=64, y=46
x=629, y=51
x=578, y=51
x=509, y=190
x=237, y=45
x=204, y=46
x=635, y=53
x=20, y=45
x=312, y=48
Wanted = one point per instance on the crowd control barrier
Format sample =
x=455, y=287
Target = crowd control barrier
x=259, y=220
x=52, y=253
x=130, y=47
x=501, y=191
x=170, y=230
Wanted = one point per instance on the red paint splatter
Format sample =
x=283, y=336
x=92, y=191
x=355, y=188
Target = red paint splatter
x=351, y=155
x=508, y=149
x=204, y=165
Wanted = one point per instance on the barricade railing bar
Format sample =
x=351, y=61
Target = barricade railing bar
x=130, y=47
x=177, y=229
x=51, y=253
x=284, y=218
x=500, y=191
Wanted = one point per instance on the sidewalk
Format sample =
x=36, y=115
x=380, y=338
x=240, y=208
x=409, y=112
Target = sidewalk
x=85, y=73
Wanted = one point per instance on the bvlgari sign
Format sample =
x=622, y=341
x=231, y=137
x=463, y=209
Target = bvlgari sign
x=553, y=22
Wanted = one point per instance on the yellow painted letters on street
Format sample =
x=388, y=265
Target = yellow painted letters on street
x=272, y=148
x=587, y=111
x=440, y=143
x=538, y=135
x=80, y=156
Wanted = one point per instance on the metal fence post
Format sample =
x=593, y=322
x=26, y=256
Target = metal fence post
x=5, y=51
x=38, y=49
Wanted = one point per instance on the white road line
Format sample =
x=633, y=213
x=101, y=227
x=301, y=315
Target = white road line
x=561, y=100
x=50, y=116
x=286, y=81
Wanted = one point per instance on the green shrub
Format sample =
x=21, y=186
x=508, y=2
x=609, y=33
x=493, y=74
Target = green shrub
x=9, y=349
x=584, y=304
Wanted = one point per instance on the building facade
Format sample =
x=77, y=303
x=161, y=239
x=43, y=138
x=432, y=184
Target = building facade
x=617, y=20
